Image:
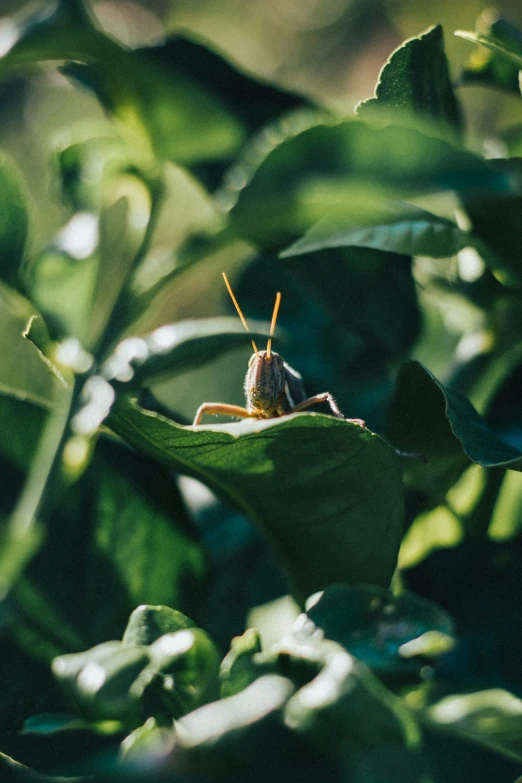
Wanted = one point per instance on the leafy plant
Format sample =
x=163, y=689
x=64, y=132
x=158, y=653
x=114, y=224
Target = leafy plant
x=396, y=248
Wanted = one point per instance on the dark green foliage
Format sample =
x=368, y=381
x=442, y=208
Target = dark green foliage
x=134, y=547
x=416, y=81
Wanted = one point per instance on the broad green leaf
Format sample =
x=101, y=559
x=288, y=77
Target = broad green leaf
x=344, y=709
x=416, y=80
x=396, y=228
x=439, y=423
x=13, y=222
x=176, y=348
x=335, y=517
x=148, y=623
x=492, y=718
x=490, y=65
x=307, y=175
x=63, y=287
x=377, y=627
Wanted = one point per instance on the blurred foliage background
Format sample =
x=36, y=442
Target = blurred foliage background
x=348, y=332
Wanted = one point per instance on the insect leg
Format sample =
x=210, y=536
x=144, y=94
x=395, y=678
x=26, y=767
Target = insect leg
x=222, y=409
x=325, y=397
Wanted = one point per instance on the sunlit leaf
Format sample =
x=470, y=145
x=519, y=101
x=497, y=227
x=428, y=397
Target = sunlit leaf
x=197, y=107
x=307, y=175
x=148, y=623
x=490, y=65
x=23, y=373
x=416, y=79
x=119, y=681
x=237, y=669
x=77, y=281
x=498, y=36
x=398, y=228
x=177, y=348
x=492, y=718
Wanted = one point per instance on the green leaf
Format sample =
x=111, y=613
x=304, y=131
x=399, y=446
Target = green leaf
x=148, y=623
x=497, y=35
x=165, y=101
x=120, y=681
x=237, y=668
x=307, y=175
x=439, y=423
x=497, y=223
x=77, y=282
x=177, y=348
x=197, y=109
x=336, y=711
x=150, y=740
x=492, y=718
x=24, y=421
x=396, y=228
x=187, y=663
x=378, y=627
x=23, y=373
x=232, y=735
x=120, y=537
x=386, y=317
x=344, y=710
x=15, y=772
x=64, y=32
x=489, y=65
x=85, y=168
x=13, y=222
x=335, y=517
x=105, y=682
x=416, y=80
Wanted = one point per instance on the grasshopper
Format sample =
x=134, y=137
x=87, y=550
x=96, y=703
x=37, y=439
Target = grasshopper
x=272, y=387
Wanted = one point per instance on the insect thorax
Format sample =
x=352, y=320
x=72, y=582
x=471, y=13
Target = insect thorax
x=265, y=385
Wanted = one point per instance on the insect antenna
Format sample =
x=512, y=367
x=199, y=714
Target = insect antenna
x=243, y=321
x=273, y=323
